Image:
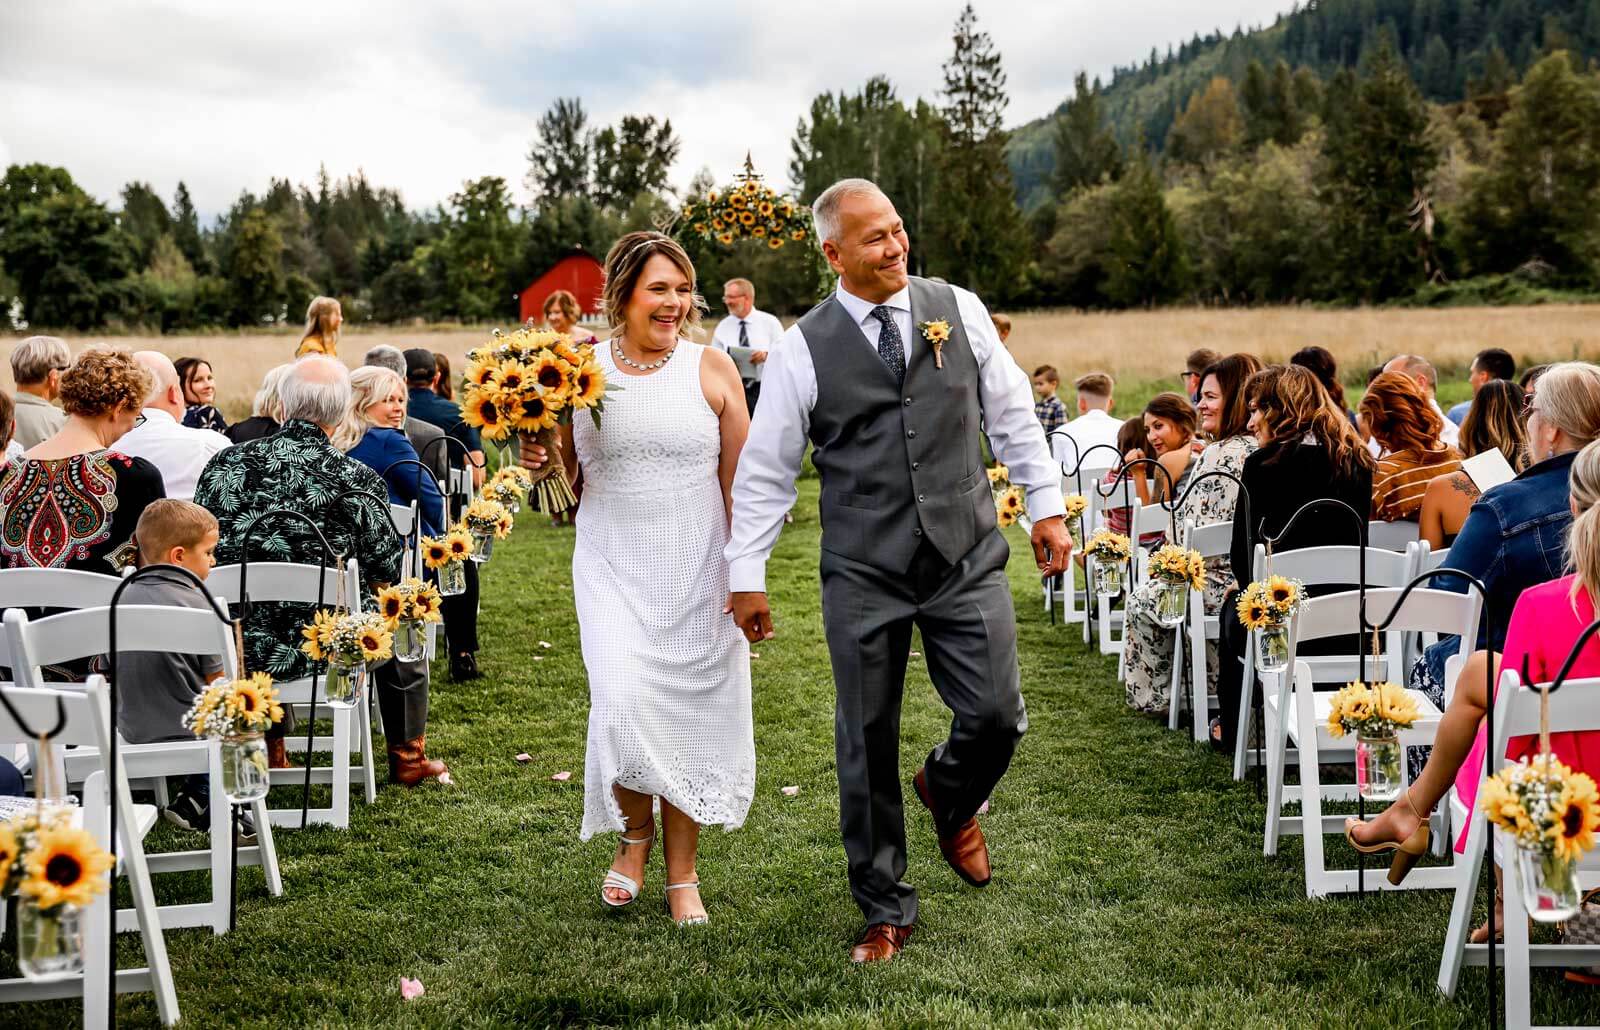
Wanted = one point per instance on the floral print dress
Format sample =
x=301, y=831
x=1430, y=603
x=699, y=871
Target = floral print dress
x=1148, y=646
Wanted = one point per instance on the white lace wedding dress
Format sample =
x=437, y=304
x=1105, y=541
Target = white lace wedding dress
x=669, y=673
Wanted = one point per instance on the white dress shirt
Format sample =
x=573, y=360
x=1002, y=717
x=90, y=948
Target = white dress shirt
x=762, y=329
x=13, y=450
x=1092, y=428
x=177, y=451
x=763, y=488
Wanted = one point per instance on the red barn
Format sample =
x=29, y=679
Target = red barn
x=578, y=272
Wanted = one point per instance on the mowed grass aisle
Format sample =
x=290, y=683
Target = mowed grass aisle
x=1129, y=887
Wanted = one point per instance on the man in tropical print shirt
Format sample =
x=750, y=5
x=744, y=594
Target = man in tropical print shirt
x=299, y=470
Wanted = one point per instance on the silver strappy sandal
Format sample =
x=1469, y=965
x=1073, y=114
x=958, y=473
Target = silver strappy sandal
x=617, y=881
x=699, y=920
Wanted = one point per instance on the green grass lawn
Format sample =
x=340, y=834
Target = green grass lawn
x=1129, y=886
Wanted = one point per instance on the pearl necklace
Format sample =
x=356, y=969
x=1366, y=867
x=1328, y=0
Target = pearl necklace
x=616, y=348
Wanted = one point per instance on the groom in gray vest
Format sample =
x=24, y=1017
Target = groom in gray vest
x=890, y=380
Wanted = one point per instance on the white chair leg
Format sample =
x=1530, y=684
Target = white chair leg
x=97, y=962
x=1310, y=784
x=341, y=767
x=144, y=903
x=1276, y=756
x=221, y=837
x=1518, y=983
x=1241, y=743
x=369, y=782
x=1175, y=682
x=268, y=848
x=1469, y=867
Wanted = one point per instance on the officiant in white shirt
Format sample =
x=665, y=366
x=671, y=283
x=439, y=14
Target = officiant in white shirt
x=178, y=451
x=746, y=335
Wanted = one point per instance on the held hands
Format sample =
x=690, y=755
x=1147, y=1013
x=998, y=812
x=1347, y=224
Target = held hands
x=751, y=614
x=532, y=455
x=1052, y=546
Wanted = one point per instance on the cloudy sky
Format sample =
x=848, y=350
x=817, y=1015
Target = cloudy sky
x=423, y=94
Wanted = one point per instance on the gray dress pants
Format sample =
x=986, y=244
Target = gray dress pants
x=969, y=636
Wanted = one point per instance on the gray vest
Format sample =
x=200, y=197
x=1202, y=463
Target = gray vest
x=899, y=463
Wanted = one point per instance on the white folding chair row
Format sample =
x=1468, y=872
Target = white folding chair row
x=1146, y=519
x=1085, y=484
x=1302, y=718
x=88, y=726
x=352, y=727
x=1516, y=714
x=1334, y=565
x=72, y=636
x=1197, y=631
x=51, y=588
x=1392, y=536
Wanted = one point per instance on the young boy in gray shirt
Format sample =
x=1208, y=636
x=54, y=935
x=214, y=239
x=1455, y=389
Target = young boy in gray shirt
x=155, y=689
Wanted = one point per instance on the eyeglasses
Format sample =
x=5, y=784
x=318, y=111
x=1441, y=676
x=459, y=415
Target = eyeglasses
x=1527, y=407
x=1186, y=374
x=141, y=420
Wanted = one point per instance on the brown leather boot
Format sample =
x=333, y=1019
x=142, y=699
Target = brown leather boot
x=277, y=753
x=409, y=766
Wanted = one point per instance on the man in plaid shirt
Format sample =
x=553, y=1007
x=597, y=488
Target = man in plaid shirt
x=1048, y=409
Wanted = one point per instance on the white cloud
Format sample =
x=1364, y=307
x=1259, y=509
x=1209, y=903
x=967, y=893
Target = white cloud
x=424, y=96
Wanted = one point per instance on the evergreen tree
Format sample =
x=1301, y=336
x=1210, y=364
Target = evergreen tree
x=1378, y=157
x=1209, y=126
x=558, y=158
x=976, y=239
x=145, y=219
x=634, y=157
x=1086, y=150
x=186, y=230
x=1255, y=103
x=255, y=271
x=479, y=252
x=1145, y=264
x=61, y=248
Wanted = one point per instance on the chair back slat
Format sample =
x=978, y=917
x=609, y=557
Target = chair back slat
x=1337, y=565
x=38, y=708
x=1573, y=708
x=284, y=581
x=86, y=633
x=55, y=588
x=404, y=516
x=1391, y=536
x=1212, y=540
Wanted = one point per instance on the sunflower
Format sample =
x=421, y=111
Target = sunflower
x=510, y=376
x=375, y=643
x=64, y=867
x=759, y=231
x=725, y=238
x=554, y=377
x=1252, y=608
x=567, y=351
x=435, y=553
x=1005, y=518
x=737, y=201
x=798, y=235
x=459, y=544
x=1576, y=817
x=253, y=701
x=747, y=218
x=765, y=208
x=588, y=386
x=482, y=411
x=504, y=525
x=391, y=604
x=751, y=188
x=716, y=225
x=480, y=373
x=776, y=243
x=427, y=605
x=535, y=415
x=1012, y=501
x=8, y=855
x=997, y=474
x=317, y=633
x=1281, y=593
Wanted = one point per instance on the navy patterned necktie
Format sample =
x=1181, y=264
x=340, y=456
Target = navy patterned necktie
x=744, y=334
x=890, y=347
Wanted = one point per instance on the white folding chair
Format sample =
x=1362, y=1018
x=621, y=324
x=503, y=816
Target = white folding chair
x=1303, y=719
x=86, y=633
x=1516, y=714
x=1198, y=631
x=1085, y=483
x=288, y=581
x=1334, y=565
x=1391, y=536
x=88, y=726
x=1147, y=518
x=52, y=588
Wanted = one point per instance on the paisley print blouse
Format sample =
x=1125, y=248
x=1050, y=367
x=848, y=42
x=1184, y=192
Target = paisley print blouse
x=74, y=513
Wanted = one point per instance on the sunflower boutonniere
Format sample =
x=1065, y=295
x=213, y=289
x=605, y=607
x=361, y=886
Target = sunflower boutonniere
x=936, y=333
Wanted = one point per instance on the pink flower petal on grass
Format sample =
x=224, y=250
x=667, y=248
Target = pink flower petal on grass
x=410, y=988
x=445, y=779
x=562, y=776
x=790, y=791
x=983, y=809
x=524, y=758
x=916, y=654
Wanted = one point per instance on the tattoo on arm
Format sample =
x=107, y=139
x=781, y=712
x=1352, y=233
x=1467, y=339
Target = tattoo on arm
x=1464, y=484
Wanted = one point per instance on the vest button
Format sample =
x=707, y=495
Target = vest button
x=915, y=465
x=908, y=402
x=922, y=498
x=917, y=531
x=911, y=434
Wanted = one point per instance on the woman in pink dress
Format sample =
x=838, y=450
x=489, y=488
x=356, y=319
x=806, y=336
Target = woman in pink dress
x=1546, y=622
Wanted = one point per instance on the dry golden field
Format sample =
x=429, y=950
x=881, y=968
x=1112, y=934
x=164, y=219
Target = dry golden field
x=1138, y=348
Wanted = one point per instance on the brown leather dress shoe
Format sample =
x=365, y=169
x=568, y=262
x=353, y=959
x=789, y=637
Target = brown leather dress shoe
x=277, y=753
x=965, y=849
x=880, y=943
x=409, y=766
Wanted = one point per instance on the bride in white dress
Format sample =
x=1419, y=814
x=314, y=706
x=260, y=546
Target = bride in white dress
x=669, y=672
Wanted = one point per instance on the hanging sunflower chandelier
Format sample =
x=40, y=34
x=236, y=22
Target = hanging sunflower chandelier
x=747, y=209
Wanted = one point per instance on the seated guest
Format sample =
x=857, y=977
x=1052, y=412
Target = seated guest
x=1547, y=620
x=199, y=395
x=1048, y=409
x=1131, y=439
x=371, y=434
x=1002, y=325
x=266, y=411
x=1407, y=429
x=1194, y=366
x=1169, y=424
x=1513, y=536
x=158, y=687
x=324, y=316
x=1094, y=425
x=1494, y=423
x=9, y=448
x=1224, y=418
x=298, y=469
x=1530, y=376
x=1489, y=366
x=445, y=386
x=1321, y=363
x=72, y=501
x=37, y=365
x=423, y=435
x=179, y=452
x=1420, y=371
x=1308, y=452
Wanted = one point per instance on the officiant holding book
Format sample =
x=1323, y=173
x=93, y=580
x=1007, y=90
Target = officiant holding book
x=746, y=335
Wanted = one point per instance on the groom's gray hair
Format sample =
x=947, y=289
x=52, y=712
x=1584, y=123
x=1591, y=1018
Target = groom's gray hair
x=825, y=209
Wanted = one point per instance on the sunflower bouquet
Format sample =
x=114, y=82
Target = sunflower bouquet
x=447, y=556
x=235, y=708
x=347, y=638
x=747, y=211
x=508, y=488
x=486, y=521
x=57, y=869
x=1265, y=608
x=406, y=607
x=530, y=381
x=1176, y=569
x=1371, y=710
x=1111, y=552
x=1076, y=505
x=1010, y=506
x=1552, y=812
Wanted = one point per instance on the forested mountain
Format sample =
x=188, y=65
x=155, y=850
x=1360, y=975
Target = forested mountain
x=1453, y=49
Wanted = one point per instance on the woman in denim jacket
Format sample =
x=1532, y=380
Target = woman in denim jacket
x=1514, y=537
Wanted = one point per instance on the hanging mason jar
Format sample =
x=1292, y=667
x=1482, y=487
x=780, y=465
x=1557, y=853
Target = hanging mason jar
x=244, y=767
x=1108, y=579
x=1075, y=531
x=345, y=681
x=1549, y=885
x=452, y=579
x=1272, y=648
x=1378, y=767
x=1172, y=603
x=410, y=640
x=49, y=943
x=482, y=545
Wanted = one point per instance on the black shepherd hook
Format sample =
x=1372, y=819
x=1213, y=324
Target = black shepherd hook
x=1077, y=470
x=111, y=765
x=1361, y=555
x=328, y=554
x=1127, y=485
x=447, y=441
x=1064, y=435
x=1243, y=498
